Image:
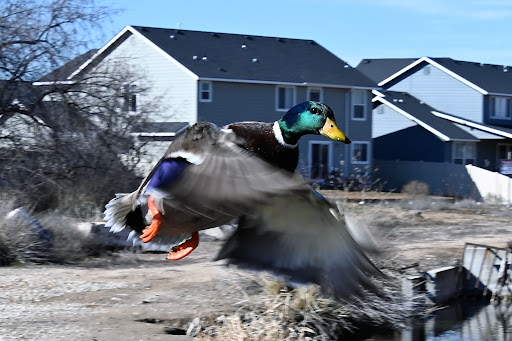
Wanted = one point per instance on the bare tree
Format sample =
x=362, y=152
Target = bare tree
x=64, y=142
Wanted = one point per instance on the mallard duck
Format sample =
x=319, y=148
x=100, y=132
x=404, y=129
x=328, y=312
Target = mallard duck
x=246, y=170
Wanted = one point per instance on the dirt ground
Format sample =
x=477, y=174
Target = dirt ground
x=144, y=297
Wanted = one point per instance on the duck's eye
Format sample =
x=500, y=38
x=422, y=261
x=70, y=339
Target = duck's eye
x=314, y=111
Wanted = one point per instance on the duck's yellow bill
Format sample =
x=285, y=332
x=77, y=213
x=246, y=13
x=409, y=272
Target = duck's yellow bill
x=331, y=130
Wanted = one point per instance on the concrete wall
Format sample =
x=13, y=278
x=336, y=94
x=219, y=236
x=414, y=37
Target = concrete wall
x=484, y=265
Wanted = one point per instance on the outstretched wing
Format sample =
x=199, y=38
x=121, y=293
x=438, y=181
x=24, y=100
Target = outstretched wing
x=303, y=239
x=220, y=175
x=207, y=178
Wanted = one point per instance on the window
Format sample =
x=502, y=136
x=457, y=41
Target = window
x=464, y=153
x=359, y=152
x=500, y=107
x=205, y=91
x=358, y=105
x=315, y=94
x=130, y=98
x=320, y=159
x=503, y=151
x=285, y=97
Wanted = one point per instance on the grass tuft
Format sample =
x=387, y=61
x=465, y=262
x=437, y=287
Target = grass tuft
x=303, y=314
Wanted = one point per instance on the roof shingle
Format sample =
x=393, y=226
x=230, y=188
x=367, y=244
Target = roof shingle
x=423, y=113
x=255, y=58
x=495, y=79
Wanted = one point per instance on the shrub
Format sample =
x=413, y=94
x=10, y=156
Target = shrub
x=416, y=188
x=302, y=314
x=23, y=243
x=45, y=237
x=69, y=244
x=5, y=254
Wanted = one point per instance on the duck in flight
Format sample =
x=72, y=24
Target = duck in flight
x=246, y=170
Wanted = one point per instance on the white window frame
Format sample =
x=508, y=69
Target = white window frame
x=310, y=156
x=209, y=91
x=492, y=108
x=464, y=152
x=353, y=104
x=294, y=96
x=321, y=94
x=368, y=153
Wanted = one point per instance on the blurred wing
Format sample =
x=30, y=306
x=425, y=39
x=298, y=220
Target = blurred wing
x=231, y=180
x=303, y=239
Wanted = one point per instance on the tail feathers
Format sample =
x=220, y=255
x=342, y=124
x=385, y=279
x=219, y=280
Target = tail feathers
x=117, y=209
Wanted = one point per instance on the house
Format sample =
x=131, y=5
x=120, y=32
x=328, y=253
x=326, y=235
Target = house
x=221, y=77
x=441, y=110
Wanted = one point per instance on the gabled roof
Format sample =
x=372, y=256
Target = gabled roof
x=67, y=69
x=247, y=58
x=492, y=129
x=380, y=69
x=421, y=113
x=485, y=78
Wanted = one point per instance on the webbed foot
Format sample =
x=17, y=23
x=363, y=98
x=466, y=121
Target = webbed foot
x=183, y=250
x=150, y=232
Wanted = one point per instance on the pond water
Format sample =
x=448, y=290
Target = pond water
x=464, y=321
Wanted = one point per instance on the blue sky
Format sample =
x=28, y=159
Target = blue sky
x=472, y=30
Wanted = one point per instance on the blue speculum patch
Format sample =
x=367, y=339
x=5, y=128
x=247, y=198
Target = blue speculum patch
x=168, y=171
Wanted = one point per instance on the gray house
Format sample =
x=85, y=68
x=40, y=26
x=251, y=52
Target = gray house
x=461, y=110
x=223, y=78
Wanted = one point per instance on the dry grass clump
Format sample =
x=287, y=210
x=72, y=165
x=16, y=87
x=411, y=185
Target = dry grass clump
x=417, y=188
x=20, y=242
x=303, y=314
x=69, y=244
x=45, y=237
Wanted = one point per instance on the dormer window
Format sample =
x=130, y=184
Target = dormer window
x=500, y=107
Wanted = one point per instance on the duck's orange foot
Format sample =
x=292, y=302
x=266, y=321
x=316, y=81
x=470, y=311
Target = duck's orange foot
x=183, y=250
x=150, y=232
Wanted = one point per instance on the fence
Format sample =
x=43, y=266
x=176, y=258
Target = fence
x=443, y=178
x=492, y=186
x=447, y=179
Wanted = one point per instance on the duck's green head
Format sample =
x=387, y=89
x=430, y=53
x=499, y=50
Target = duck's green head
x=310, y=118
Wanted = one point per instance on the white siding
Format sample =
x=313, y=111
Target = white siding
x=443, y=92
x=387, y=120
x=175, y=89
x=169, y=83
